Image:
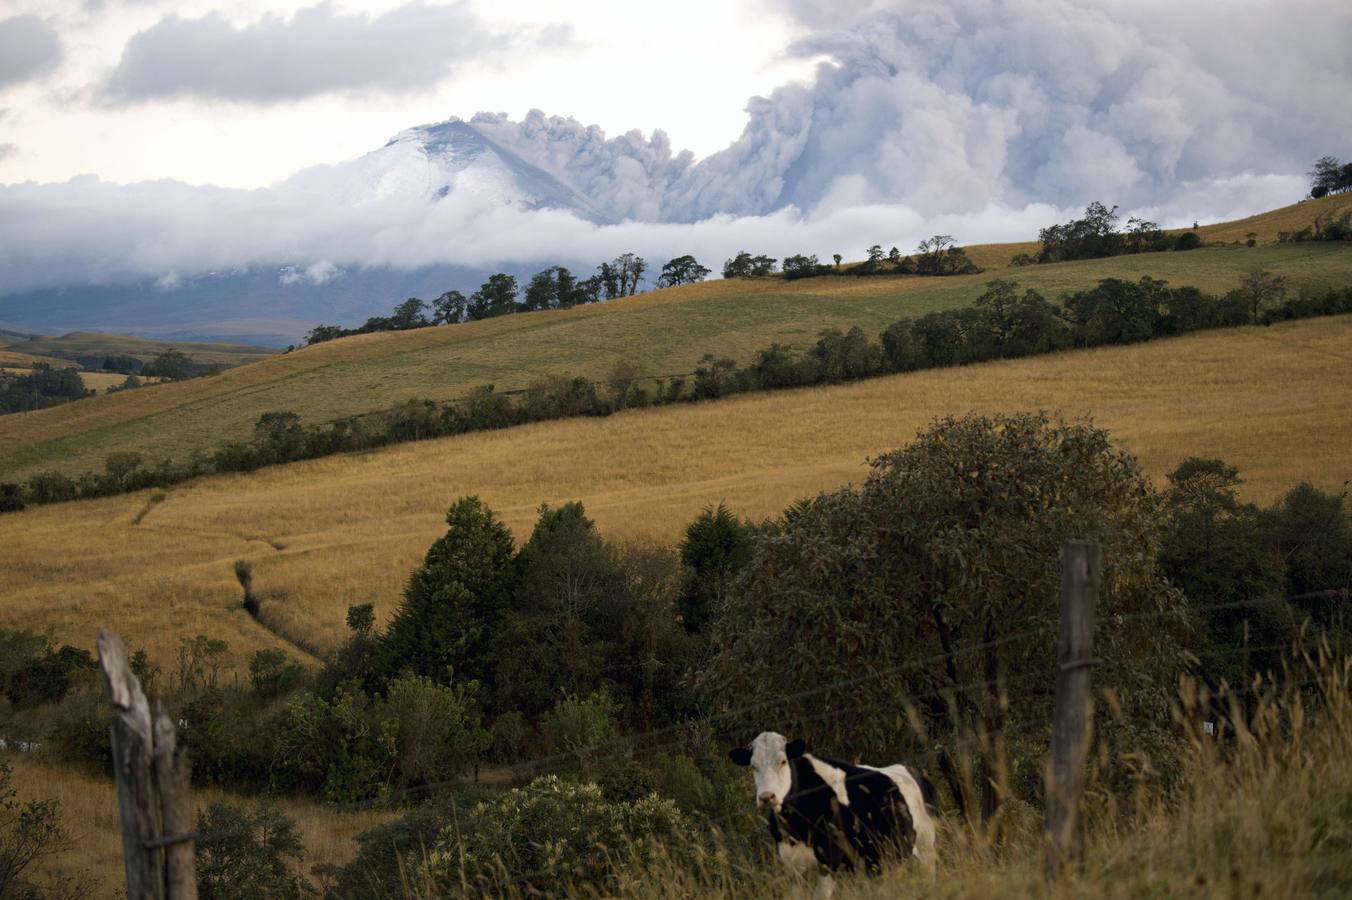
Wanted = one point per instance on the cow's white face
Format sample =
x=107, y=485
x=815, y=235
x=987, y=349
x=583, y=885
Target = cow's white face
x=768, y=756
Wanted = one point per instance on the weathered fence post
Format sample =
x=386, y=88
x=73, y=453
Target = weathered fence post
x=1073, y=714
x=152, y=786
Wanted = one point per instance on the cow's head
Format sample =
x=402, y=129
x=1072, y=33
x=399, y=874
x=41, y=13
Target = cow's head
x=769, y=756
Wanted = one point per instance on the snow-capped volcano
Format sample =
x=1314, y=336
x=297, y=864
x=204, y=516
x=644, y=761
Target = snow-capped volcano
x=435, y=161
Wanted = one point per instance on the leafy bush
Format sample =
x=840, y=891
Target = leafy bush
x=438, y=732
x=28, y=833
x=346, y=749
x=585, y=730
x=271, y=673
x=255, y=854
x=33, y=671
x=553, y=836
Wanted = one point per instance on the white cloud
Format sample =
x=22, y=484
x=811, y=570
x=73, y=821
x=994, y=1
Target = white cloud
x=318, y=50
x=315, y=273
x=29, y=49
x=982, y=119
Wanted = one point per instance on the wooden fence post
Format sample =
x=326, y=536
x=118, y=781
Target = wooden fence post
x=1073, y=715
x=152, y=786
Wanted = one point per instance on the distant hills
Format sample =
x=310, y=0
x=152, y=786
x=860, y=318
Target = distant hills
x=666, y=332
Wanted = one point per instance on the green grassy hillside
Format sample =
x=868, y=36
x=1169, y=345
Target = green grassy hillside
x=666, y=332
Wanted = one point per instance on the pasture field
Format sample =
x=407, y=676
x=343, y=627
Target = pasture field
x=327, y=533
x=665, y=332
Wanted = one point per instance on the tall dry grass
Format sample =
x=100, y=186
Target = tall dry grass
x=92, y=841
x=1262, y=810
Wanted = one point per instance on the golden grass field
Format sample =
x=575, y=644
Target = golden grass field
x=328, y=533
x=666, y=332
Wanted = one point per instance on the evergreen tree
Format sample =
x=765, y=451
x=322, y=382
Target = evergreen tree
x=455, y=599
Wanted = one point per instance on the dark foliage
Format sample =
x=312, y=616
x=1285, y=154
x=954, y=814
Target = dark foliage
x=44, y=386
x=454, y=602
x=244, y=853
x=713, y=552
x=34, y=671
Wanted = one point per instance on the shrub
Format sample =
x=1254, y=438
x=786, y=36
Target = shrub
x=271, y=673
x=552, y=837
x=33, y=671
x=249, y=854
x=511, y=736
x=1188, y=240
x=11, y=498
x=438, y=734
x=29, y=832
x=346, y=748
x=585, y=730
x=389, y=855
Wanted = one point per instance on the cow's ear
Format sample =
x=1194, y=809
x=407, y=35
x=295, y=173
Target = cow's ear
x=795, y=748
x=740, y=756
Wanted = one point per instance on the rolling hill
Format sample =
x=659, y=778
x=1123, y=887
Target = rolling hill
x=666, y=332
x=328, y=533
x=91, y=347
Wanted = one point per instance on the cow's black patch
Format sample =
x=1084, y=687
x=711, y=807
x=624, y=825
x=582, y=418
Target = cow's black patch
x=874, y=824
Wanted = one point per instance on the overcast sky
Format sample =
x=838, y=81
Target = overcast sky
x=242, y=93
x=816, y=126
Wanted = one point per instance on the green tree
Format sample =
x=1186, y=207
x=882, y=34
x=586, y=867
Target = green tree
x=682, y=270
x=448, y=309
x=243, y=853
x=1091, y=237
x=1325, y=176
x=1260, y=290
x=495, y=297
x=412, y=313
x=567, y=582
x=949, y=553
x=345, y=747
x=1214, y=551
x=1311, y=531
x=542, y=292
x=121, y=465
x=279, y=437
x=454, y=600
x=171, y=364
x=713, y=551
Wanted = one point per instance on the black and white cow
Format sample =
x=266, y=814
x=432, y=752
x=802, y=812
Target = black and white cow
x=835, y=816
